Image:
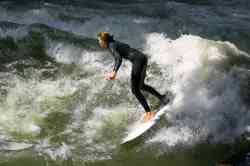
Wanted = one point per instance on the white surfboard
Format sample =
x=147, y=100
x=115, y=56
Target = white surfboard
x=141, y=127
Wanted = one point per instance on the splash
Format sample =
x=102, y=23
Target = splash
x=207, y=103
x=29, y=102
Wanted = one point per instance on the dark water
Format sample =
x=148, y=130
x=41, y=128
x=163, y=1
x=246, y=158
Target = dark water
x=56, y=108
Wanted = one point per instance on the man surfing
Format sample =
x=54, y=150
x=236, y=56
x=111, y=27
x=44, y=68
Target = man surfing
x=139, y=64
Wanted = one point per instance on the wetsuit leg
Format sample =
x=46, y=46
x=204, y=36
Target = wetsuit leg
x=151, y=90
x=148, y=88
x=137, y=82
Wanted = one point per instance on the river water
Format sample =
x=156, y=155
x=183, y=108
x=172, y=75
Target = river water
x=56, y=108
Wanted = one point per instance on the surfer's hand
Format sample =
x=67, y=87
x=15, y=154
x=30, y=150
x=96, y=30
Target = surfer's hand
x=110, y=76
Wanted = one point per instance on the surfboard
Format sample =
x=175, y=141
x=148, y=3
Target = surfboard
x=141, y=127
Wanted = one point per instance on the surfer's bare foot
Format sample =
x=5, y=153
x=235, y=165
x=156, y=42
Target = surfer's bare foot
x=148, y=116
x=145, y=117
x=152, y=115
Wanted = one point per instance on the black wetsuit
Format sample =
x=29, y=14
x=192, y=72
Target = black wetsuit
x=139, y=64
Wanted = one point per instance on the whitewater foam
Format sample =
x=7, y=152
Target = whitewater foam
x=207, y=102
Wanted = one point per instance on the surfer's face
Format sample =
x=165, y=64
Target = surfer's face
x=102, y=43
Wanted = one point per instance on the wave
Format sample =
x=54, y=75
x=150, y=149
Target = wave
x=207, y=77
x=207, y=81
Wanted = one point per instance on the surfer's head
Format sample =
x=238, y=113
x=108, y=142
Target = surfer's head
x=104, y=39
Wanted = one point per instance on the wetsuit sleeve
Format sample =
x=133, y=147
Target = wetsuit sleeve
x=117, y=57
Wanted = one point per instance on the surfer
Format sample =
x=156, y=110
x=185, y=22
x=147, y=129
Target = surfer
x=139, y=64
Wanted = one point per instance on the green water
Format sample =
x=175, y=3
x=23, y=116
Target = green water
x=130, y=155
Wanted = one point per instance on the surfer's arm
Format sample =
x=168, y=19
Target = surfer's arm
x=117, y=62
x=117, y=58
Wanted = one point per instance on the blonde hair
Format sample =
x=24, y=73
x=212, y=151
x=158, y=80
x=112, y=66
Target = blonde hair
x=105, y=36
